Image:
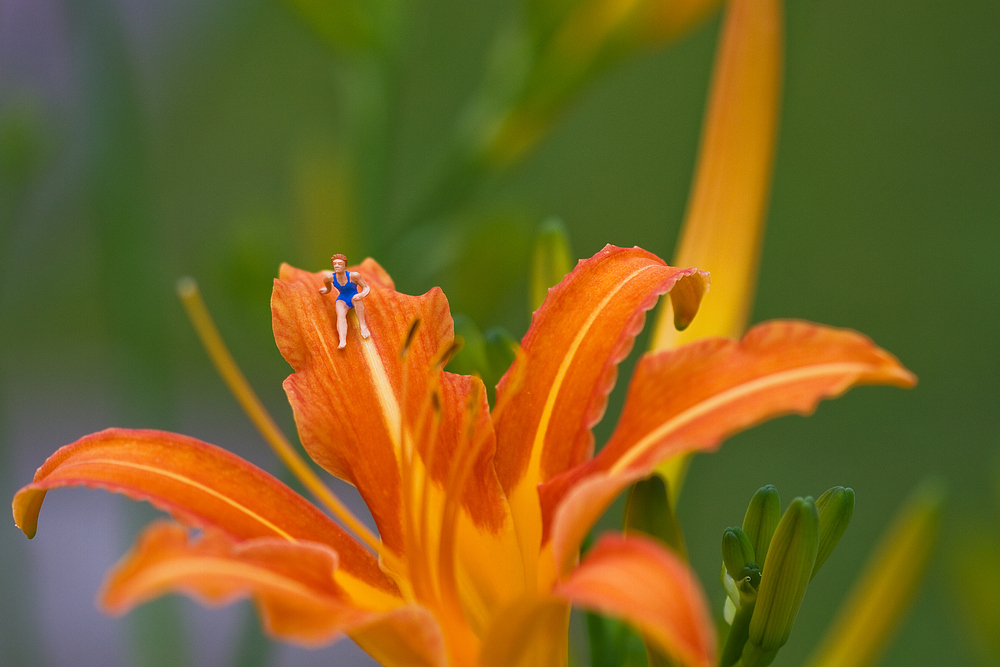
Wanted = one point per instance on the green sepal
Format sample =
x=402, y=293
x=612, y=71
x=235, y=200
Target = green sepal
x=501, y=350
x=471, y=359
x=648, y=511
x=613, y=643
x=835, y=507
x=550, y=261
x=786, y=575
x=761, y=520
x=486, y=355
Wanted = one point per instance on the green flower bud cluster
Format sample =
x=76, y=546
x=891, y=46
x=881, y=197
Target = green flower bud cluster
x=768, y=564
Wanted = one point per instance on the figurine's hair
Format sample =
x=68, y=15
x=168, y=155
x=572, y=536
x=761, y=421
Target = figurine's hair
x=340, y=257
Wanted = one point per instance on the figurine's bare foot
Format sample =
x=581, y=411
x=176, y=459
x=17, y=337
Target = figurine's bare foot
x=343, y=344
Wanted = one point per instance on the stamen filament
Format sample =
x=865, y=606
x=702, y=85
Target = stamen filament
x=466, y=451
x=420, y=574
x=187, y=290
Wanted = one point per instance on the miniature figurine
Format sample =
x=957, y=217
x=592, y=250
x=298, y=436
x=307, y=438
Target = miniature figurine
x=347, y=283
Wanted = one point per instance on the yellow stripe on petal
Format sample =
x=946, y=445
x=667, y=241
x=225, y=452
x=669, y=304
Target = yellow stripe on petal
x=294, y=584
x=199, y=484
x=349, y=403
x=842, y=374
x=387, y=401
x=557, y=388
x=691, y=398
x=72, y=469
x=187, y=290
x=524, y=497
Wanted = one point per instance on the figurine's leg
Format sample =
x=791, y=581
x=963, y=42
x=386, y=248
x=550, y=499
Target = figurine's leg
x=342, y=323
x=359, y=310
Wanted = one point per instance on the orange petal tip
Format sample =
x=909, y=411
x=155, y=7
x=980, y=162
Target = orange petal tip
x=26, y=506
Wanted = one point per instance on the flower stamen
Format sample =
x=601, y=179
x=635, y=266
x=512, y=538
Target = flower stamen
x=211, y=340
x=411, y=478
x=466, y=451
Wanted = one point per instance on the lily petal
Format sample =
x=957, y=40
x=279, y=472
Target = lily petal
x=477, y=528
x=459, y=529
x=557, y=387
x=408, y=636
x=200, y=485
x=568, y=361
x=416, y=441
x=349, y=403
x=295, y=585
x=637, y=579
x=692, y=398
x=724, y=223
x=531, y=631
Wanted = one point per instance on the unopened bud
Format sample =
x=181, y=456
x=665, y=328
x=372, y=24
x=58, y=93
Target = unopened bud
x=551, y=260
x=749, y=576
x=648, y=511
x=736, y=551
x=761, y=519
x=786, y=575
x=835, y=508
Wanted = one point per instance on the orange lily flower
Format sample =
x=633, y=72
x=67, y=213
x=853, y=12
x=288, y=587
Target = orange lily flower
x=480, y=514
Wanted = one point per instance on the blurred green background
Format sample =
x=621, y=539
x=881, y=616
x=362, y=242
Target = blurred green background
x=142, y=141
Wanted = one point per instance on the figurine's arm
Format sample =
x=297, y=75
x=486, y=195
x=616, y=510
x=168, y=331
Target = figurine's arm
x=327, y=284
x=364, y=287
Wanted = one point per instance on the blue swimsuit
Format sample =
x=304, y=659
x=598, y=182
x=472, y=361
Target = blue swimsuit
x=347, y=291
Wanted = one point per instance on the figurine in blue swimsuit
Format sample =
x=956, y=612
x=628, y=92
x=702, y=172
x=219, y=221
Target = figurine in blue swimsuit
x=349, y=298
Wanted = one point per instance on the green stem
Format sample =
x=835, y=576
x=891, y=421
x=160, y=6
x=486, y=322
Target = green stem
x=738, y=635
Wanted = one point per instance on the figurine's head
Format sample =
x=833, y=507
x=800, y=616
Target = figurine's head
x=339, y=262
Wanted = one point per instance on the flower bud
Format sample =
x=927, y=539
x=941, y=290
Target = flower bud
x=550, y=261
x=786, y=574
x=736, y=551
x=749, y=580
x=648, y=511
x=761, y=519
x=886, y=588
x=835, y=508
